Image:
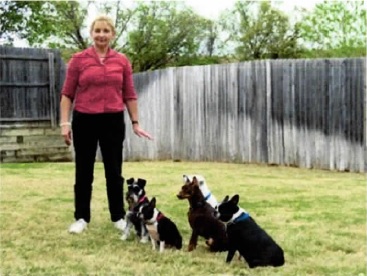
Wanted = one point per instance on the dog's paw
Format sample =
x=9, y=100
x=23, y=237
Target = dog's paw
x=191, y=247
x=209, y=242
x=124, y=237
x=144, y=240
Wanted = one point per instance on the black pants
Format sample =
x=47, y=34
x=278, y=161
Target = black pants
x=108, y=130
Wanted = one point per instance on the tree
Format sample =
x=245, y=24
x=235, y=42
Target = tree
x=163, y=33
x=53, y=24
x=14, y=16
x=334, y=24
x=153, y=34
x=260, y=31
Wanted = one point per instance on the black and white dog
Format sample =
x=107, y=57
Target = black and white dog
x=161, y=229
x=246, y=236
x=208, y=196
x=135, y=197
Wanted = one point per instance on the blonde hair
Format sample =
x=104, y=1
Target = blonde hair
x=106, y=19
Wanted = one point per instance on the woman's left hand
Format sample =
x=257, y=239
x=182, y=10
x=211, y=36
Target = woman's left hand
x=141, y=132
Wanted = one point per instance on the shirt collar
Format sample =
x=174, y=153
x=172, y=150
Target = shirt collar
x=92, y=51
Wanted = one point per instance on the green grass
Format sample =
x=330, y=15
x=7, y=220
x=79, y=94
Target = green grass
x=318, y=217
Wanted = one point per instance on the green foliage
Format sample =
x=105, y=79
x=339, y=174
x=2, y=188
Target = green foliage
x=159, y=34
x=162, y=33
x=260, y=31
x=65, y=21
x=196, y=60
x=54, y=24
x=14, y=17
x=341, y=52
x=153, y=34
x=339, y=25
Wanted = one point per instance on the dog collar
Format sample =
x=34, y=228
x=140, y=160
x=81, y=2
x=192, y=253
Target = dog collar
x=142, y=199
x=155, y=222
x=160, y=216
x=242, y=217
x=207, y=197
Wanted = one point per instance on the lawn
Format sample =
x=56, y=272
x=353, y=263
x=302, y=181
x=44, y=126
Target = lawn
x=317, y=217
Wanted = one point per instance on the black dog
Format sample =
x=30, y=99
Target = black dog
x=135, y=197
x=161, y=229
x=246, y=236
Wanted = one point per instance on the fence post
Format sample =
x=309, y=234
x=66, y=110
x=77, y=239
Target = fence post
x=51, y=71
x=364, y=169
x=269, y=121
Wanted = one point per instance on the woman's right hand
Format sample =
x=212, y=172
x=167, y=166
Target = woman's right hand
x=66, y=133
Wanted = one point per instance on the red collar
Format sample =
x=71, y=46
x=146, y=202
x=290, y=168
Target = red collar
x=160, y=216
x=142, y=199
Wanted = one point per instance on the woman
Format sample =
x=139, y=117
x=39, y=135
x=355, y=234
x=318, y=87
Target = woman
x=99, y=86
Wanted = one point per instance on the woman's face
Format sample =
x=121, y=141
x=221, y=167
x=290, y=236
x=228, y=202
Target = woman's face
x=102, y=34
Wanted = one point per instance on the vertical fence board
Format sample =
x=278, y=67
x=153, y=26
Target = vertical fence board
x=269, y=124
x=287, y=113
x=51, y=70
x=245, y=90
x=277, y=114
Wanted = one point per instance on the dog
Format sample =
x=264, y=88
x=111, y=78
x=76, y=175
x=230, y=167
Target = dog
x=202, y=220
x=246, y=236
x=161, y=229
x=136, y=197
x=208, y=196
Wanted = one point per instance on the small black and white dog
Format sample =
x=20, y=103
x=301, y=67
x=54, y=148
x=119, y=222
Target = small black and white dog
x=135, y=197
x=246, y=236
x=208, y=196
x=161, y=229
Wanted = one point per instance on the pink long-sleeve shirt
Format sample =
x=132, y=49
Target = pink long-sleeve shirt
x=97, y=87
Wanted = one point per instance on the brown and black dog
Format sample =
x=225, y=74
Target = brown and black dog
x=202, y=220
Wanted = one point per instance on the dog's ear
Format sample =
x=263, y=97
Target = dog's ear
x=152, y=202
x=130, y=181
x=235, y=199
x=196, y=189
x=195, y=181
x=141, y=182
x=185, y=179
x=225, y=199
x=200, y=179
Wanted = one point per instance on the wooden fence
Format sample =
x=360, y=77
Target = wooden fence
x=30, y=84
x=306, y=113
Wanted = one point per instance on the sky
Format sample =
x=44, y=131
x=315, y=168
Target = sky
x=212, y=9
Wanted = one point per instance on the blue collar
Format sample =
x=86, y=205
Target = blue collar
x=207, y=197
x=242, y=217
